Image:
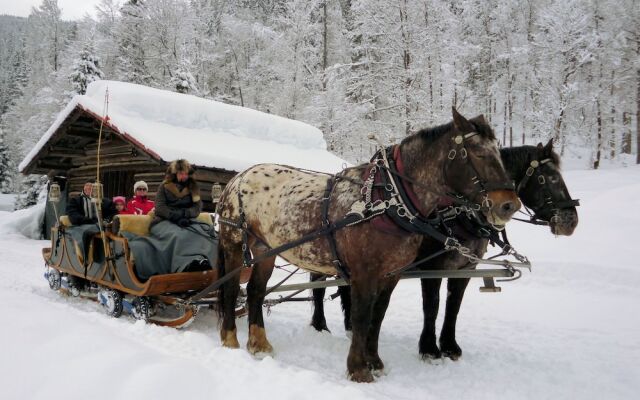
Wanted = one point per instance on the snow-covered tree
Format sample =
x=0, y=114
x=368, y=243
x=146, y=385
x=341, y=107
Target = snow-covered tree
x=6, y=167
x=32, y=190
x=130, y=35
x=183, y=81
x=536, y=69
x=86, y=69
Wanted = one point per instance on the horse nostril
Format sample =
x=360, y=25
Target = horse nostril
x=508, y=207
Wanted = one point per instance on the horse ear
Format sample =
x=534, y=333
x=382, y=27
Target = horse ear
x=548, y=149
x=480, y=119
x=539, y=146
x=460, y=122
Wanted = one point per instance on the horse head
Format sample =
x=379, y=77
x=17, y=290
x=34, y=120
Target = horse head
x=472, y=168
x=542, y=189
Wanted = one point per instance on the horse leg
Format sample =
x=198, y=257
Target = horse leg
x=430, y=304
x=362, y=307
x=379, y=309
x=229, y=296
x=318, y=320
x=448, y=345
x=256, y=288
x=345, y=301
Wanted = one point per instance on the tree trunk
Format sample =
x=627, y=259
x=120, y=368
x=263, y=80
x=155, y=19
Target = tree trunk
x=638, y=110
x=324, y=45
x=406, y=56
x=626, y=135
x=596, y=163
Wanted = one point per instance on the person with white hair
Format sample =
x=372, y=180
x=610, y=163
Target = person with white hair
x=140, y=203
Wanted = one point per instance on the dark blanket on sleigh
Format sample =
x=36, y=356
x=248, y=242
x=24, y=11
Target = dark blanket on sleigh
x=170, y=248
x=83, y=234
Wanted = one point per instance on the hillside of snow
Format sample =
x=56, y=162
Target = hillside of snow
x=568, y=330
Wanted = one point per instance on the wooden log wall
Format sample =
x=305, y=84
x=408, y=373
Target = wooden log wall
x=118, y=157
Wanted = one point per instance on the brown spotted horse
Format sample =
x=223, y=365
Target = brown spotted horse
x=541, y=188
x=322, y=223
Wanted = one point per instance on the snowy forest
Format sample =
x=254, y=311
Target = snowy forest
x=562, y=69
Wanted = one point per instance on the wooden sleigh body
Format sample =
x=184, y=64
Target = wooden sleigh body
x=110, y=278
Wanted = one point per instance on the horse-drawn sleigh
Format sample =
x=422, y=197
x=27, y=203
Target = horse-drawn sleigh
x=364, y=225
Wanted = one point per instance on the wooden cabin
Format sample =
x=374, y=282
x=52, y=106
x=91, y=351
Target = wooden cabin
x=70, y=158
x=72, y=152
x=143, y=129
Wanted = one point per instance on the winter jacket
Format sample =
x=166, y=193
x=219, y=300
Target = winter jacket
x=177, y=202
x=140, y=205
x=82, y=211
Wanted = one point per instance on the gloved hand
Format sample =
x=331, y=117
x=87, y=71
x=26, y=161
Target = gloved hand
x=184, y=222
x=175, y=217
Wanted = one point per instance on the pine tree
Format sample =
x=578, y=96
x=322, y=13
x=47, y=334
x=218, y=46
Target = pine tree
x=86, y=69
x=183, y=81
x=6, y=167
x=131, y=36
x=31, y=190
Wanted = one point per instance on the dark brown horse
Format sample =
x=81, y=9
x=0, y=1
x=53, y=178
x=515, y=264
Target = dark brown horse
x=540, y=186
x=278, y=204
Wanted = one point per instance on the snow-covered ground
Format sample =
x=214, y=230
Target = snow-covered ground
x=6, y=201
x=568, y=330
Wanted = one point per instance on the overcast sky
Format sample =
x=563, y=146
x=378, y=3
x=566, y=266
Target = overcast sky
x=71, y=9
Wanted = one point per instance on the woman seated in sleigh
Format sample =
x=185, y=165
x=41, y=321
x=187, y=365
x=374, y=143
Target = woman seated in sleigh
x=177, y=242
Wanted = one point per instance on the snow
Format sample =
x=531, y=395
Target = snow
x=6, y=201
x=568, y=330
x=206, y=132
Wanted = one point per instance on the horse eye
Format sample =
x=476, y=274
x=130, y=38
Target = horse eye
x=554, y=179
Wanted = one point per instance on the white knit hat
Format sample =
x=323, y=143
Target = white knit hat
x=140, y=184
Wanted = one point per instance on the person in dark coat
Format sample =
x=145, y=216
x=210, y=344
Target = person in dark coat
x=81, y=210
x=177, y=242
x=178, y=197
x=83, y=214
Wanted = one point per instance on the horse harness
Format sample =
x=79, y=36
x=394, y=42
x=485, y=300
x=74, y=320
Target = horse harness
x=386, y=165
x=549, y=203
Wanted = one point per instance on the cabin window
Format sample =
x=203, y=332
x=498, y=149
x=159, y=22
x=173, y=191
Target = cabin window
x=118, y=183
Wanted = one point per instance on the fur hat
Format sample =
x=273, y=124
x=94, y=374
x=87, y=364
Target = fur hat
x=140, y=184
x=119, y=199
x=180, y=165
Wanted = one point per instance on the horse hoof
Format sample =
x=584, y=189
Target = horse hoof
x=379, y=372
x=258, y=342
x=429, y=351
x=255, y=349
x=229, y=339
x=320, y=328
x=452, y=351
x=453, y=356
x=375, y=364
x=362, y=376
x=431, y=359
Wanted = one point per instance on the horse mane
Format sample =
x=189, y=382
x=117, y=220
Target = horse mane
x=429, y=135
x=522, y=155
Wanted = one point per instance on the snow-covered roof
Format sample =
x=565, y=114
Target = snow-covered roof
x=206, y=132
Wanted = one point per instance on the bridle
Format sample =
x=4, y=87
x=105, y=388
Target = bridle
x=550, y=206
x=483, y=185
